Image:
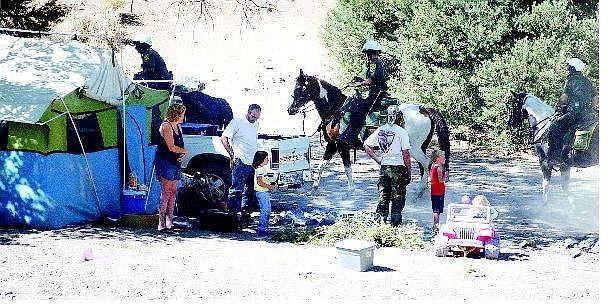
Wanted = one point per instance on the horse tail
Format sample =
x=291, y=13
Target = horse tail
x=439, y=123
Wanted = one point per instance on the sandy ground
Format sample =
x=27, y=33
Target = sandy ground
x=257, y=62
x=136, y=264
x=512, y=185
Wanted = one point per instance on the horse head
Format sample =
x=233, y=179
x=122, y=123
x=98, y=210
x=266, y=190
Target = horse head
x=517, y=112
x=306, y=89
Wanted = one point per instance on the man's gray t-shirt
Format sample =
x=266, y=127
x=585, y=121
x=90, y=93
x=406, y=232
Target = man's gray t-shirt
x=392, y=140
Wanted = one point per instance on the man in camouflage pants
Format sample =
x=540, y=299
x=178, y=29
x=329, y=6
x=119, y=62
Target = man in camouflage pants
x=394, y=159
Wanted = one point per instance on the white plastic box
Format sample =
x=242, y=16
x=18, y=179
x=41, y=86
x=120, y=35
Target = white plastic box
x=355, y=254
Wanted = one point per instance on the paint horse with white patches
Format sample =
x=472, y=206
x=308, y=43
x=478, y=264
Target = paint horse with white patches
x=419, y=121
x=540, y=115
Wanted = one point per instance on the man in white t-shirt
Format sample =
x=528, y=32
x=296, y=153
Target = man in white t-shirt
x=240, y=138
x=394, y=159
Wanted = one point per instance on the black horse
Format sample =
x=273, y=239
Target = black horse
x=540, y=115
x=328, y=99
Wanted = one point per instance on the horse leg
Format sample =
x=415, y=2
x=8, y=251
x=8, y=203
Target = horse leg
x=422, y=159
x=565, y=175
x=319, y=173
x=328, y=154
x=546, y=171
x=344, y=155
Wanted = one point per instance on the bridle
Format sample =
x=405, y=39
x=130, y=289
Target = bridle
x=312, y=107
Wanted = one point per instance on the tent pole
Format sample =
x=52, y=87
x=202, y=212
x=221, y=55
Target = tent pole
x=85, y=155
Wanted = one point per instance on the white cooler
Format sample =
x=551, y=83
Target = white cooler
x=355, y=254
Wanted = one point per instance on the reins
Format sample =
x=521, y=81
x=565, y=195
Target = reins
x=539, y=129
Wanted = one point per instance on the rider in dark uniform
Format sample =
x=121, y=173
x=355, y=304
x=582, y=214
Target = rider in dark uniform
x=574, y=103
x=153, y=66
x=376, y=80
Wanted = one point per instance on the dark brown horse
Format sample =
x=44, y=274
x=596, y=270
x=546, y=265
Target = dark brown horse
x=328, y=99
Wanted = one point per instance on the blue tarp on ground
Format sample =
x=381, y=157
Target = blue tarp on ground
x=56, y=190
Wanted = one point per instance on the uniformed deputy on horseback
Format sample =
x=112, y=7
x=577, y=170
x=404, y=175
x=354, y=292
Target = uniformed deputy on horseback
x=153, y=66
x=376, y=81
x=574, y=104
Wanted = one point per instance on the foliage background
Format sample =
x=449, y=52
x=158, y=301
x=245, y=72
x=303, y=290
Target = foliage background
x=464, y=57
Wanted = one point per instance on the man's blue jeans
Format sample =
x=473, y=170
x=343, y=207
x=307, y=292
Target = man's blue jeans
x=241, y=193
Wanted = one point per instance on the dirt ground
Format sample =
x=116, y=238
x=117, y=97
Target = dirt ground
x=136, y=264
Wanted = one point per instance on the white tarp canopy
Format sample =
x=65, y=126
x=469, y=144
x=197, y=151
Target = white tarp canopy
x=35, y=71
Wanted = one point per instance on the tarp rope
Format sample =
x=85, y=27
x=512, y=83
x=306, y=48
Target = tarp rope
x=85, y=155
x=52, y=119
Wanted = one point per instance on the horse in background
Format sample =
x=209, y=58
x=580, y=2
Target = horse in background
x=583, y=153
x=328, y=99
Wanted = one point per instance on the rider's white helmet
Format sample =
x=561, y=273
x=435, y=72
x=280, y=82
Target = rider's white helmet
x=393, y=112
x=143, y=38
x=371, y=45
x=576, y=63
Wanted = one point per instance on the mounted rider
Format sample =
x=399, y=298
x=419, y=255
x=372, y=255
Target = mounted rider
x=574, y=105
x=153, y=65
x=376, y=81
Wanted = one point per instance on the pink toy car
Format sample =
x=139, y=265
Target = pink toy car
x=468, y=229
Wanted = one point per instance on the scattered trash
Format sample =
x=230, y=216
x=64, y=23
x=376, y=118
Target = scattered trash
x=88, y=254
x=529, y=243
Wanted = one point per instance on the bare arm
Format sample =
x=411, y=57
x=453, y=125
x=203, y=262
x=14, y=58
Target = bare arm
x=167, y=134
x=229, y=149
x=372, y=154
x=366, y=82
x=261, y=182
x=406, y=158
x=561, y=100
x=441, y=174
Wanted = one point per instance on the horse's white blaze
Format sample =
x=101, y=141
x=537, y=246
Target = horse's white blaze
x=323, y=93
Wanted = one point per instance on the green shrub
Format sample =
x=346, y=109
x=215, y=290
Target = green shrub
x=463, y=57
x=362, y=225
x=293, y=234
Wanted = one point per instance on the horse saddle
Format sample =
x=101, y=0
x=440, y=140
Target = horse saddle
x=583, y=135
x=379, y=118
x=337, y=124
